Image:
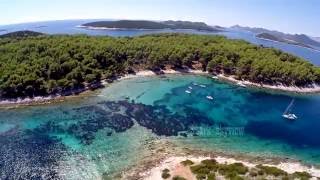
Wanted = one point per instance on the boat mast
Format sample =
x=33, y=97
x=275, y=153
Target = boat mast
x=289, y=107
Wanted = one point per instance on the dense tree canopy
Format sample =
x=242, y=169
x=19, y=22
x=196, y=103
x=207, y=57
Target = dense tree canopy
x=46, y=64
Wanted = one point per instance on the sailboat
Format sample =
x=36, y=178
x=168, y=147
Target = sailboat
x=287, y=113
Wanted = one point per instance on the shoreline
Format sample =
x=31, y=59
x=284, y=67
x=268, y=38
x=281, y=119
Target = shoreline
x=107, y=28
x=294, y=89
x=141, y=29
x=144, y=73
x=173, y=164
x=167, y=155
x=309, y=48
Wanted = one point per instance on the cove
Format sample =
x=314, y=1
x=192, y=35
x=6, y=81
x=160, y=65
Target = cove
x=112, y=130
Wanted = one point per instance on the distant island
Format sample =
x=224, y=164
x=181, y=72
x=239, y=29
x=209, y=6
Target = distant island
x=42, y=65
x=142, y=24
x=295, y=39
x=40, y=26
x=2, y=30
x=316, y=39
x=271, y=37
x=21, y=34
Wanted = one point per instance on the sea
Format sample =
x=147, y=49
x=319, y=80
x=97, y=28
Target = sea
x=111, y=130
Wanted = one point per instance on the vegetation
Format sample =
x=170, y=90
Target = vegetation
x=210, y=169
x=207, y=169
x=165, y=174
x=20, y=34
x=140, y=24
x=43, y=65
x=270, y=170
x=301, y=175
x=187, y=162
x=178, y=178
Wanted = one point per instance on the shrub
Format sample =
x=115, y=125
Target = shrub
x=178, y=178
x=210, y=163
x=269, y=170
x=187, y=162
x=200, y=169
x=211, y=176
x=301, y=175
x=235, y=168
x=238, y=167
x=201, y=176
x=165, y=174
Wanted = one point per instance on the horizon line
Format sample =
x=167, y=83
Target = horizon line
x=113, y=19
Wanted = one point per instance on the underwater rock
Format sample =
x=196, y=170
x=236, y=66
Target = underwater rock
x=29, y=155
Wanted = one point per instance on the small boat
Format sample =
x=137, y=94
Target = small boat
x=203, y=86
x=287, y=113
x=290, y=116
x=189, y=87
x=188, y=92
x=210, y=97
x=241, y=84
x=195, y=84
x=214, y=77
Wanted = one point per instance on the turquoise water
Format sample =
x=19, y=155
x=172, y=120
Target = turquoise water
x=112, y=130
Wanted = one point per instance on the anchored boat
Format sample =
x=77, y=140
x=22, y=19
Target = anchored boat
x=287, y=113
x=210, y=97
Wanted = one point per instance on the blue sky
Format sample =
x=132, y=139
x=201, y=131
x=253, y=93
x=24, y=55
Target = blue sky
x=293, y=16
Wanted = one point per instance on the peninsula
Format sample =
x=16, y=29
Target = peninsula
x=295, y=39
x=59, y=64
x=271, y=37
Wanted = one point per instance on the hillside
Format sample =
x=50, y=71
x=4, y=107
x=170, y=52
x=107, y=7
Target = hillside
x=43, y=65
x=21, y=34
x=275, y=38
x=316, y=39
x=297, y=39
x=141, y=24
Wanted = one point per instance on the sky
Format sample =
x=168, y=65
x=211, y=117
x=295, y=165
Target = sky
x=291, y=16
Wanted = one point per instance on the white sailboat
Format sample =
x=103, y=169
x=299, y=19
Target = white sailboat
x=287, y=113
x=209, y=97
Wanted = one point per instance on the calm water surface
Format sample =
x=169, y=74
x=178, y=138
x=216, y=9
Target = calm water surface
x=70, y=27
x=110, y=131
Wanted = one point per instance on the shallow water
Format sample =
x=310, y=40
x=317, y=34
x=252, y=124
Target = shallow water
x=109, y=132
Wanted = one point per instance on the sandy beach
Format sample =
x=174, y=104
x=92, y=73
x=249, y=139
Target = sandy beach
x=176, y=168
x=52, y=98
x=312, y=89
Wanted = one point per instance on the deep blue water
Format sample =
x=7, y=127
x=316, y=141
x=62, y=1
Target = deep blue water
x=70, y=27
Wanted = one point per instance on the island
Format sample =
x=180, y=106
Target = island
x=46, y=65
x=21, y=34
x=271, y=37
x=152, y=25
x=295, y=39
x=316, y=39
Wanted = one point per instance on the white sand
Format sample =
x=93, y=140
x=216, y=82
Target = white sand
x=28, y=100
x=311, y=89
x=172, y=163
